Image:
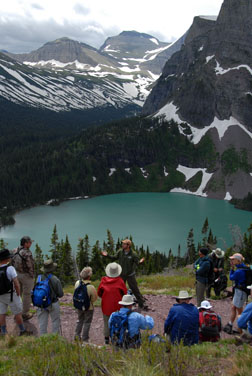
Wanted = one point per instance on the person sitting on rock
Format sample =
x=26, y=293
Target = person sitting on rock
x=209, y=323
x=135, y=322
x=244, y=323
x=182, y=323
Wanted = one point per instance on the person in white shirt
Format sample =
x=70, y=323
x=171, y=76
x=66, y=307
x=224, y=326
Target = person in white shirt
x=9, y=293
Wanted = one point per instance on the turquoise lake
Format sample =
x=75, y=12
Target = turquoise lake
x=160, y=220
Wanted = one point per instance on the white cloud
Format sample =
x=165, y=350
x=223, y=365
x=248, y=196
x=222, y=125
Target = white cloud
x=53, y=19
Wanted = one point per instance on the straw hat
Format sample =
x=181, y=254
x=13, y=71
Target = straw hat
x=183, y=295
x=49, y=266
x=113, y=270
x=218, y=253
x=127, y=300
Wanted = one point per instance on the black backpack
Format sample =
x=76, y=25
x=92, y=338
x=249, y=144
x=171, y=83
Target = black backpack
x=81, y=299
x=210, y=276
x=5, y=284
x=248, y=280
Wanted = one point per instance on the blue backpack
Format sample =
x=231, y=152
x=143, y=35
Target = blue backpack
x=81, y=299
x=119, y=332
x=41, y=293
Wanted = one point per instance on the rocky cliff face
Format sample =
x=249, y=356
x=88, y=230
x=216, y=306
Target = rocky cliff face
x=208, y=85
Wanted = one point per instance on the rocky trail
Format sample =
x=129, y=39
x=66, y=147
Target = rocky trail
x=159, y=306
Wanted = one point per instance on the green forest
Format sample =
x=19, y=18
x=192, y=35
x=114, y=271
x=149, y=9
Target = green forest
x=71, y=263
x=40, y=162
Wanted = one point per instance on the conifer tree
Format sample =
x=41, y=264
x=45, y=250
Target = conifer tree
x=96, y=261
x=66, y=262
x=82, y=256
x=3, y=244
x=110, y=243
x=54, y=243
x=191, y=251
x=204, y=232
x=38, y=260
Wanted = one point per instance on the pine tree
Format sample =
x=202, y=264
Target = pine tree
x=66, y=262
x=38, y=260
x=54, y=243
x=3, y=244
x=82, y=256
x=110, y=243
x=96, y=261
x=191, y=251
x=204, y=232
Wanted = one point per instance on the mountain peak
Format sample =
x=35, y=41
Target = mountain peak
x=133, y=33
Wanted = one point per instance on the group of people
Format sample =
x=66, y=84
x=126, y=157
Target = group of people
x=185, y=322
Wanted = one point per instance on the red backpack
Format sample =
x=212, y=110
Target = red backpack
x=209, y=324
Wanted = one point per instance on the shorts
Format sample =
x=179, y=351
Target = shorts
x=240, y=298
x=15, y=305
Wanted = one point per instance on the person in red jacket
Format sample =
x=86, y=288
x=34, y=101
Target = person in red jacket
x=209, y=323
x=111, y=290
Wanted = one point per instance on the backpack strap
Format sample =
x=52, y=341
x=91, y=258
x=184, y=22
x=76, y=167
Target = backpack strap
x=12, y=288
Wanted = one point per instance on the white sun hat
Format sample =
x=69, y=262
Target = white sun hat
x=205, y=304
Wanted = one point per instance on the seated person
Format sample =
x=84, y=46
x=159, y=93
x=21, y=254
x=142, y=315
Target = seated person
x=244, y=322
x=209, y=323
x=128, y=336
x=182, y=323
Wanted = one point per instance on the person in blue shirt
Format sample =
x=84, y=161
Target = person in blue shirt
x=182, y=322
x=238, y=276
x=136, y=321
x=202, y=267
x=244, y=323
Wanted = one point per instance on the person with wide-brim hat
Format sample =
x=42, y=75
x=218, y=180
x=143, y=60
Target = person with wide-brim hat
x=111, y=290
x=208, y=332
x=136, y=322
x=182, y=322
x=218, y=280
x=10, y=293
x=56, y=292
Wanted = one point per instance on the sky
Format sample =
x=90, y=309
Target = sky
x=26, y=25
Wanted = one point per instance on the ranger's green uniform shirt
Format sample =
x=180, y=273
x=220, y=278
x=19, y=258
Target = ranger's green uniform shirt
x=127, y=260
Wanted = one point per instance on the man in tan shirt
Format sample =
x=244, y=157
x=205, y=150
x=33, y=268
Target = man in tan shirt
x=85, y=317
x=24, y=264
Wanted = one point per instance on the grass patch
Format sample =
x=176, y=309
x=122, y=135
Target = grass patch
x=182, y=278
x=47, y=356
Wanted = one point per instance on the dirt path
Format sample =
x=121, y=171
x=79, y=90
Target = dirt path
x=159, y=307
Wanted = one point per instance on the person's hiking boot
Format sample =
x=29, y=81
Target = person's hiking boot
x=228, y=329
x=25, y=333
x=27, y=316
x=143, y=307
x=106, y=340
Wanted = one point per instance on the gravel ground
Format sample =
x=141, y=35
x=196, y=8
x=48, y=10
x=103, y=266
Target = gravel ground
x=159, y=306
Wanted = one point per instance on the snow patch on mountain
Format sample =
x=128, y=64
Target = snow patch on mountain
x=228, y=197
x=200, y=191
x=188, y=171
x=220, y=70
x=154, y=40
x=170, y=112
x=112, y=170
